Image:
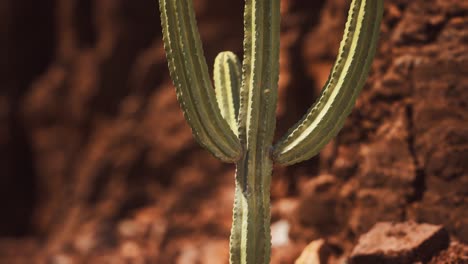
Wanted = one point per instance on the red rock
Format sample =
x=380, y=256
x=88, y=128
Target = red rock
x=399, y=243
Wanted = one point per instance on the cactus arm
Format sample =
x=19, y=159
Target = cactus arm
x=250, y=236
x=189, y=71
x=326, y=117
x=227, y=80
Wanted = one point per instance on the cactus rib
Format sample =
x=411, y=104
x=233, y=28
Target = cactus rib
x=326, y=117
x=227, y=80
x=189, y=72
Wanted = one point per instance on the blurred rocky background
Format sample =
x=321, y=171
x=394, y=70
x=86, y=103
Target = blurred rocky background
x=97, y=164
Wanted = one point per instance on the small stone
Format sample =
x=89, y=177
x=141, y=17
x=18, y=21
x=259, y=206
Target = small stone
x=85, y=242
x=399, y=243
x=284, y=208
x=280, y=233
x=189, y=254
x=131, y=229
x=317, y=252
x=62, y=259
x=130, y=250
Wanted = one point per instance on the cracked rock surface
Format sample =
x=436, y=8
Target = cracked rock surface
x=399, y=243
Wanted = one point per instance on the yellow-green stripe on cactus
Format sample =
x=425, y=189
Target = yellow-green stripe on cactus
x=227, y=78
x=189, y=72
x=326, y=117
x=235, y=119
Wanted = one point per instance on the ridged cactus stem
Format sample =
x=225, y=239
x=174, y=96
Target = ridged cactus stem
x=250, y=236
x=326, y=117
x=236, y=120
x=188, y=69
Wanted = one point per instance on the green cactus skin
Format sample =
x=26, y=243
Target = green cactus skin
x=250, y=235
x=188, y=69
x=236, y=119
x=326, y=117
x=227, y=76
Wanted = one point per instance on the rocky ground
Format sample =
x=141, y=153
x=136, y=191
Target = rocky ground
x=98, y=165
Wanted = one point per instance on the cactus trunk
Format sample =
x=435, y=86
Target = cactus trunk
x=250, y=238
x=250, y=234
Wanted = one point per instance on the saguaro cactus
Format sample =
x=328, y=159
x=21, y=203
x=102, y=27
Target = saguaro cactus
x=236, y=119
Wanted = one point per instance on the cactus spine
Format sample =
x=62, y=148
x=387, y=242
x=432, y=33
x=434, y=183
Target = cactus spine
x=236, y=119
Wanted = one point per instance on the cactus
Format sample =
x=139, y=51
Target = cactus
x=235, y=120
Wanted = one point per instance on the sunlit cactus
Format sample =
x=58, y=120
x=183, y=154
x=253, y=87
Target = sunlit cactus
x=235, y=120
